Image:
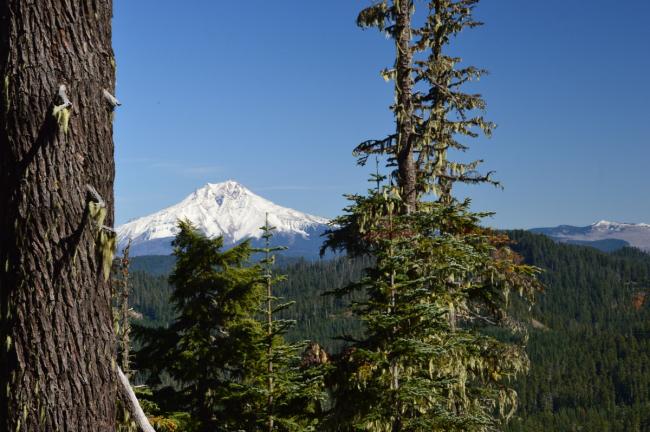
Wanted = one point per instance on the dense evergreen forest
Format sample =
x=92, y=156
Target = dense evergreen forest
x=589, y=333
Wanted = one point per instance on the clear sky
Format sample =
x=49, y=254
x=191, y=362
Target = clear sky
x=275, y=94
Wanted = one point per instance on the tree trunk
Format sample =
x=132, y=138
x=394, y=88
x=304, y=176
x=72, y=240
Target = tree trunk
x=57, y=354
x=404, y=104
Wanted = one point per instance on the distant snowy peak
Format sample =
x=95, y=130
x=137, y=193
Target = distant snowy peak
x=633, y=234
x=228, y=209
x=617, y=226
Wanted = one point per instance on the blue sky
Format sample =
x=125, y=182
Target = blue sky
x=276, y=95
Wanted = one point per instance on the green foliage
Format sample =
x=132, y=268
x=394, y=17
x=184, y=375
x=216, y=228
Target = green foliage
x=210, y=349
x=591, y=360
x=153, y=264
x=227, y=369
x=160, y=420
x=441, y=346
x=584, y=317
x=439, y=284
x=318, y=317
x=292, y=394
x=440, y=112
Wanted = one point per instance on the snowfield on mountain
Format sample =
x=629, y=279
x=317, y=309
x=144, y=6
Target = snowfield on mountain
x=225, y=209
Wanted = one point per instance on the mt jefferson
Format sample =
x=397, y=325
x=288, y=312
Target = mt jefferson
x=225, y=209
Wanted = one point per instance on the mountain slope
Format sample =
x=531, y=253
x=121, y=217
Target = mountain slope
x=228, y=209
x=636, y=235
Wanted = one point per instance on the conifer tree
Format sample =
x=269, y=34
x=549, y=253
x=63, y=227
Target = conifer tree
x=292, y=393
x=440, y=289
x=440, y=286
x=121, y=289
x=395, y=20
x=445, y=113
x=57, y=347
x=211, y=352
x=225, y=353
x=431, y=111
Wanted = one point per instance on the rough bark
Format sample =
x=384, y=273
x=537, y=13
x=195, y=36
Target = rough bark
x=404, y=106
x=57, y=349
x=124, y=306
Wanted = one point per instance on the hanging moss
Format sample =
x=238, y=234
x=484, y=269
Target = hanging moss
x=62, y=115
x=6, y=92
x=106, y=246
x=97, y=213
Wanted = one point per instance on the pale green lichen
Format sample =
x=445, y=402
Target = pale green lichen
x=97, y=212
x=6, y=92
x=62, y=115
x=106, y=239
x=107, y=243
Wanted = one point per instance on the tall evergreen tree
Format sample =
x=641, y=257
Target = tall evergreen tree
x=440, y=289
x=57, y=352
x=292, y=392
x=211, y=351
x=445, y=113
x=395, y=19
x=225, y=352
x=431, y=111
x=121, y=289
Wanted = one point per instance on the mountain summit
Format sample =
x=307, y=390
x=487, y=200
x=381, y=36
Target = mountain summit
x=607, y=233
x=228, y=209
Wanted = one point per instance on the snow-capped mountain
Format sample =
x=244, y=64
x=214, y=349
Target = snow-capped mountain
x=636, y=235
x=228, y=209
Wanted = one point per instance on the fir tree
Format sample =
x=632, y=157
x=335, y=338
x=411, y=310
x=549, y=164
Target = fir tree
x=395, y=20
x=225, y=353
x=431, y=111
x=292, y=392
x=121, y=289
x=440, y=343
x=439, y=288
x=211, y=351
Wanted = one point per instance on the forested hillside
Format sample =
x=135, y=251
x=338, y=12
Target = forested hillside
x=589, y=347
x=590, y=368
x=319, y=317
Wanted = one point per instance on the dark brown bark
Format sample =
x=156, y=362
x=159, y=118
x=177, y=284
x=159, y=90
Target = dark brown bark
x=404, y=111
x=125, y=326
x=57, y=349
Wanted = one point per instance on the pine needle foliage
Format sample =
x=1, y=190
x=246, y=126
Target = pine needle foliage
x=441, y=348
x=211, y=351
x=439, y=290
x=292, y=393
x=225, y=354
x=432, y=112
